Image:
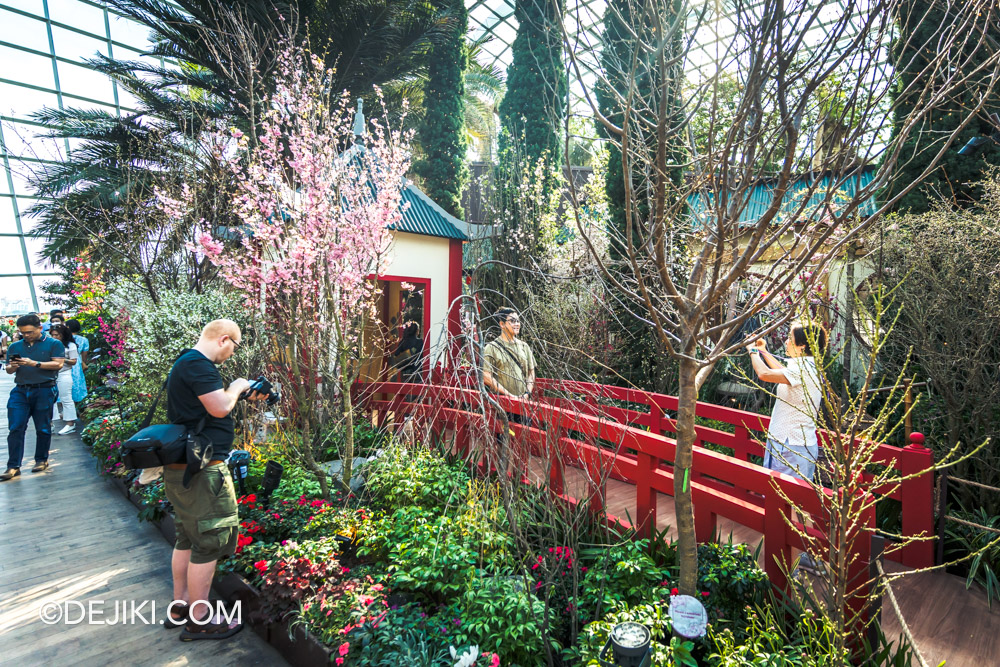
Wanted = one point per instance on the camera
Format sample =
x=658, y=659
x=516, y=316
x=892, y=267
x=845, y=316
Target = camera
x=262, y=386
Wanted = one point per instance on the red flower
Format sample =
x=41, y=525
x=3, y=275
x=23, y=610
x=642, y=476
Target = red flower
x=344, y=648
x=673, y=591
x=704, y=594
x=261, y=566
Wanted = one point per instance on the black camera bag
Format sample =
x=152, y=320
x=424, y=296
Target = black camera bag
x=156, y=445
x=159, y=444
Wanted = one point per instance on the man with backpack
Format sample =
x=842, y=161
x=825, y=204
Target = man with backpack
x=205, y=509
x=508, y=362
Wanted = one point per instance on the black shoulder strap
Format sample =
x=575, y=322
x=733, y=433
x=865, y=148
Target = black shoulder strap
x=156, y=401
x=512, y=357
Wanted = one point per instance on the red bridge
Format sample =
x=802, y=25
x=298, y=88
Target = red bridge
x=611, y=447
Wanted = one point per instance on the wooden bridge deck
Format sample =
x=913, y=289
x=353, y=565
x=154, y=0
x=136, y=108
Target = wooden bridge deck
x=65, y=534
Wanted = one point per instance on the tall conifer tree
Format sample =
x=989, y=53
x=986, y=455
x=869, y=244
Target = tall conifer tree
x=917, y=44
x=442, y=133
x=534, y=108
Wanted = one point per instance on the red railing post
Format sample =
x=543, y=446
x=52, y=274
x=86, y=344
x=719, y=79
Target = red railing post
x=594, y=481
x=705, y=522
x=655, y=418
x=777, y=550
x=645, y=495
x=557, y=481
x=741, y=450
x=917, y=496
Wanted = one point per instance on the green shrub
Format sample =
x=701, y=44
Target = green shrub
x=729, y=573
x=415, y=476
x=621, y=576
x=960, y=541
x=159, y=332
x=499, y=615
x=433, y=562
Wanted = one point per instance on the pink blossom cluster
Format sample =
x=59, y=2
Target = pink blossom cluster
x=313, y=211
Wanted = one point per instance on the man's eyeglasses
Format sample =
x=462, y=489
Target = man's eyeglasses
x=513, y=320
x=235, y=342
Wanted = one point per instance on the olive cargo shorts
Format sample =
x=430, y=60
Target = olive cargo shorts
x=205, y=514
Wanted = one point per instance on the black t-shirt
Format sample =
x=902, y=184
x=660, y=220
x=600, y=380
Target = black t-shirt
x=193, y=375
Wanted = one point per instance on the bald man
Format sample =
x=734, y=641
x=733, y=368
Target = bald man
x=205, y=510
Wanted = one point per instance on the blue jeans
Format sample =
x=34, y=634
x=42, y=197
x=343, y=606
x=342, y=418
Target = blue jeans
x=36, y=403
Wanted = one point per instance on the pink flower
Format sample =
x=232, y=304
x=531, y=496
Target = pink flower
x=495, y=661
x=339, y=661
x=344, y=648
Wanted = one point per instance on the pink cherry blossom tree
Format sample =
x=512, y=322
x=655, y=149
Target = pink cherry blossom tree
x=314, y=205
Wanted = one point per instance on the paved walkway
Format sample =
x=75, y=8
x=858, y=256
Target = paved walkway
x=66, y=535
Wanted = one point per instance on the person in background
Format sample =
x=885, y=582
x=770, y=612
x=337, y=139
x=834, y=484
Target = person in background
x=39, y=358
x=4, y=342
x=56, y=316
x=792, y=445
x=508, y=362
x=408, y=355
x=83, y=348
x=64, y=381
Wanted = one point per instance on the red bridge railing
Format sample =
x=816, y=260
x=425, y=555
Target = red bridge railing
x=624, y=434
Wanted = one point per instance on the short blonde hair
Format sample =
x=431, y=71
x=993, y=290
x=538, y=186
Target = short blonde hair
x=216, y=329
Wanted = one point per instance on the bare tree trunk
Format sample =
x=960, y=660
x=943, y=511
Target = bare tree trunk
x=348, y=463
x=307, y=453
x=687, y=544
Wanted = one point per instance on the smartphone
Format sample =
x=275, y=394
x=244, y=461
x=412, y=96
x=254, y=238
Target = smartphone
x=14, y=357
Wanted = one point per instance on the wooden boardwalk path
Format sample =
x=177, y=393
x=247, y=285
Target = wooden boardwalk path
x=948, y=622
x=66, y=534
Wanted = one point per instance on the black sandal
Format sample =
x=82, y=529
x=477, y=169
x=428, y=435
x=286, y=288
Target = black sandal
x=193, y=631
x=170, y=622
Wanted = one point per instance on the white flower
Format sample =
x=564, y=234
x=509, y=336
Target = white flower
x=467, y=659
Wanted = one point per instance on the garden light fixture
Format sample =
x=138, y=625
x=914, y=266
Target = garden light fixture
x=628, y=645
x=272, y=478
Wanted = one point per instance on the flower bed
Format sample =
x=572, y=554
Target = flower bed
x=424, y=567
